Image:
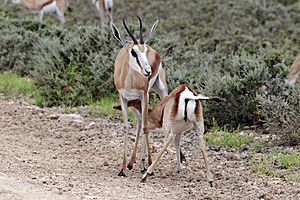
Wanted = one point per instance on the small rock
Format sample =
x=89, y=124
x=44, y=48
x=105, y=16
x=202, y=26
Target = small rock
x=91, y=125
x=53, y=116
x=70, y=118
x=105, y=163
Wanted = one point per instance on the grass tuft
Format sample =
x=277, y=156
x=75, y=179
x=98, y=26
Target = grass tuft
x=279, y=164
x=227, y=138
x=104, y=108
x=14, y=85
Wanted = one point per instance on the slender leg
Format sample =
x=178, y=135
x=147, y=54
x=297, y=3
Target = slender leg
x=138, y=130
x=124, y=106
x=291, y=78
x=199, y=127
x=182, y=156
x=40, y=15
x=110, y=16
x=144, y=105
x=178, y=152
x=143, y=166
x=101, y=16
x=60, y=16
x=169, y=138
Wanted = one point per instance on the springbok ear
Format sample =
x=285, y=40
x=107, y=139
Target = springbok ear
x=151, y=31
x=117, y=34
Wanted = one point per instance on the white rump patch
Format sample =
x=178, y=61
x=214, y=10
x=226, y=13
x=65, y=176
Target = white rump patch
x=186, y=94
x=108, y=4
x=191, y=105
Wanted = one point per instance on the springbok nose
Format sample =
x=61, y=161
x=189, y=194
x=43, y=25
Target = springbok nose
x=148, y=72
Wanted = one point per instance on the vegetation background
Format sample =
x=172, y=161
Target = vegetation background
x=238, y=50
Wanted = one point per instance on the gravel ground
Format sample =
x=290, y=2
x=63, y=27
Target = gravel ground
x=49, y=155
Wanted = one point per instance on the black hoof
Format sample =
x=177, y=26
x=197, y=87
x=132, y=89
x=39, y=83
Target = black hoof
x=143, y=180
x=152, y=174
x=210, y=184
x=129, y=167
x=143, y=170
x=121, y=173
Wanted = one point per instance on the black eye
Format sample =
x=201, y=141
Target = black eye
x=133, y=53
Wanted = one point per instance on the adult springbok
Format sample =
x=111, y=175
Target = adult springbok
x=177, y=113
x=293, y=73
x=138, y=69
x=46, y=6
x=104, y=8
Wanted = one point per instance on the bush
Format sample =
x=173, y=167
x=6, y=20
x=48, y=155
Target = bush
x=18, y=39
x=76, y=68
x=219, y=47
x=281, y=114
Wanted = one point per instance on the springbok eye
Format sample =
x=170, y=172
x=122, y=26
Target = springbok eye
x=133, y=53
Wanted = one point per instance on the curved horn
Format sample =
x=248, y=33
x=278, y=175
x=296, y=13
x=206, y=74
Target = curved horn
x=141, y=28
x=130, y=33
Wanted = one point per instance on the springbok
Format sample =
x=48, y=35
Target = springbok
x=293, y=73
x=46, y=6
x=137, y=70
x=104, y=8
x=177, y=113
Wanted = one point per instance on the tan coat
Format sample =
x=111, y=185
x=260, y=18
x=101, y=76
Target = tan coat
x=294, y=72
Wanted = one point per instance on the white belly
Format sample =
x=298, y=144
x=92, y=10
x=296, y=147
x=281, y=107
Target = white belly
x=50, y=7
x=131, y=94
x=181, y=126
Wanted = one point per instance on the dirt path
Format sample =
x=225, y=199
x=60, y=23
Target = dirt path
x=14, y=189
x=45, y=156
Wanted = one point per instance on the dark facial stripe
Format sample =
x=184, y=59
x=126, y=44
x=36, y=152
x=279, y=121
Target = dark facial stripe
x=138, y=62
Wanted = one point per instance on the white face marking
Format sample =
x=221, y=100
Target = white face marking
x=140, y=63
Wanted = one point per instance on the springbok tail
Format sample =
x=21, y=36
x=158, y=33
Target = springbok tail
x=202, y=97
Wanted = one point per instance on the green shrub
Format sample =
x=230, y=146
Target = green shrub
x=18, y=39
x=281, y=115
x=76, y=68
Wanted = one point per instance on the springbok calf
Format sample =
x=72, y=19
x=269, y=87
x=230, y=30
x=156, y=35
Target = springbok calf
x=137, y=69
x=46, y=6
x=293, y=73
x=177, y=113
x=104, y=8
